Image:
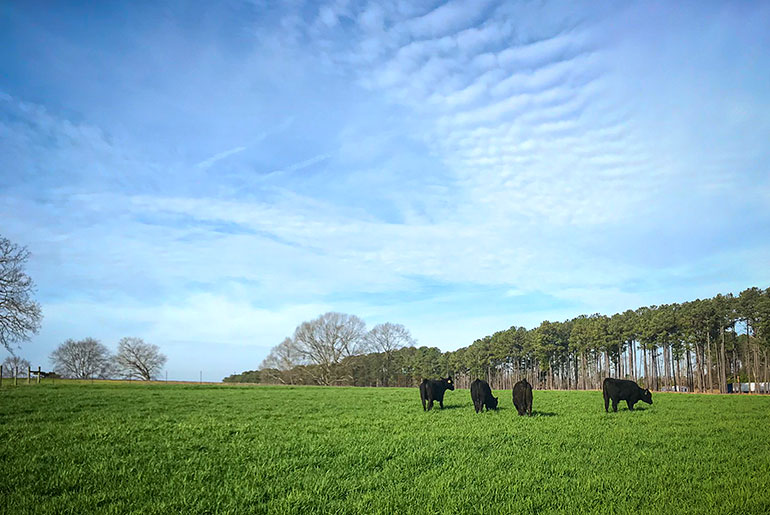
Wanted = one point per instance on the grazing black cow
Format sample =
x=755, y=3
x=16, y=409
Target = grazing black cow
x=433, y=390
x=522, y=397
x=481, y=394
x=623, y=390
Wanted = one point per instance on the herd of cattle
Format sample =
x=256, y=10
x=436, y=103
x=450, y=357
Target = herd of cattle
x=614, y=390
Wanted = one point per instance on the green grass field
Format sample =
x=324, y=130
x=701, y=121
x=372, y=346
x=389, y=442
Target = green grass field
x=118, y=448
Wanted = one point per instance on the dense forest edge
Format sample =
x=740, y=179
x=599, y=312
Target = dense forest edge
x=702, y=345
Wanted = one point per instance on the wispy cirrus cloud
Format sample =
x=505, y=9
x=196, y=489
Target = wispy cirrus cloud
x=206, y=163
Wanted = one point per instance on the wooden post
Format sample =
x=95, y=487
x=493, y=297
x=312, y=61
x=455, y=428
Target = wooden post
x=15, y=376
x=38, y=374
x=1, y=376
x=29, y=374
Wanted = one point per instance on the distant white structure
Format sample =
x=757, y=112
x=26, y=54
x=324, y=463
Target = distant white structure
x=748, y=387
x=677, y=388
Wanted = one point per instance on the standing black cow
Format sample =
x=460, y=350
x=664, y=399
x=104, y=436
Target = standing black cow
x=522, y=397
x=623, y=390
x=481, y=394
x=433, y=390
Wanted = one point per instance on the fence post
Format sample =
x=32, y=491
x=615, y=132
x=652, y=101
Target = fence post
x=29, y=374
x=1, y=376
x=38, y=374
x=15, y=376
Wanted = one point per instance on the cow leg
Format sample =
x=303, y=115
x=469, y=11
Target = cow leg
x=630, y=405
x=606, y=403
x=441, y=404
x=529, y=410
x=614, y=405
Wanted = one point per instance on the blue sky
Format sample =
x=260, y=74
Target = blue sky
x=208, y=175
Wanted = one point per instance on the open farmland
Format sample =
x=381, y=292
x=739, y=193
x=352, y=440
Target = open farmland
x=236, y=449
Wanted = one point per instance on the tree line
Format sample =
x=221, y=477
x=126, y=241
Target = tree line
x=701, y=345
x=90, y=359
x=322, y=351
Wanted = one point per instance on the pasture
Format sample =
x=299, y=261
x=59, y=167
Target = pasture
x=129, y=447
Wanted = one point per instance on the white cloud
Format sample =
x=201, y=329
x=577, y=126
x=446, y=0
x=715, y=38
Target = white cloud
x=218, y=157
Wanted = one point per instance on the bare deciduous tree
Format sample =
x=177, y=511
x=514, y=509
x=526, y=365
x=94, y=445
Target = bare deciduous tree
x=326, y=341
x=387, y=338
x=140, y=360
x=283, y=357
x=82, y=359
x=15, y=366
x=20, y=316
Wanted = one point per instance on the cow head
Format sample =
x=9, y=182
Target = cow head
x=646, y=396
x=492, y=404
x=450, y=385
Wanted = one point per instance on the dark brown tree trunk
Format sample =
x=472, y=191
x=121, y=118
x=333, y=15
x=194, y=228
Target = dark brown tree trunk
x=575, y=371
x=747, y=353
x=698, y=368
x=708, y=362
x=723, y=377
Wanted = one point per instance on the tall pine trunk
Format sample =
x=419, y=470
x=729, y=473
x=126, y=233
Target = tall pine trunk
x=699, y=368
x=708, y=362
x=723, y=377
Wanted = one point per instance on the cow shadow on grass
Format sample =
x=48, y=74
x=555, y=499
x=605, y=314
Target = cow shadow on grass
x=446, y=407
x=536, y=413
x=449, y=406
x=626, y=410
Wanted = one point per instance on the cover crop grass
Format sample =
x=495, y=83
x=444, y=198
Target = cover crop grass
x=117, y=448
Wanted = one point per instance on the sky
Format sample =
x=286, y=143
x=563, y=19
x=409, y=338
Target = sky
x=208, y=175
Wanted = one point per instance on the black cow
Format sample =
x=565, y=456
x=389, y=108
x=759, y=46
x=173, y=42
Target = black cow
x=522, y=397
x=623, y=390
x=481, y=394
x=433, y=390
